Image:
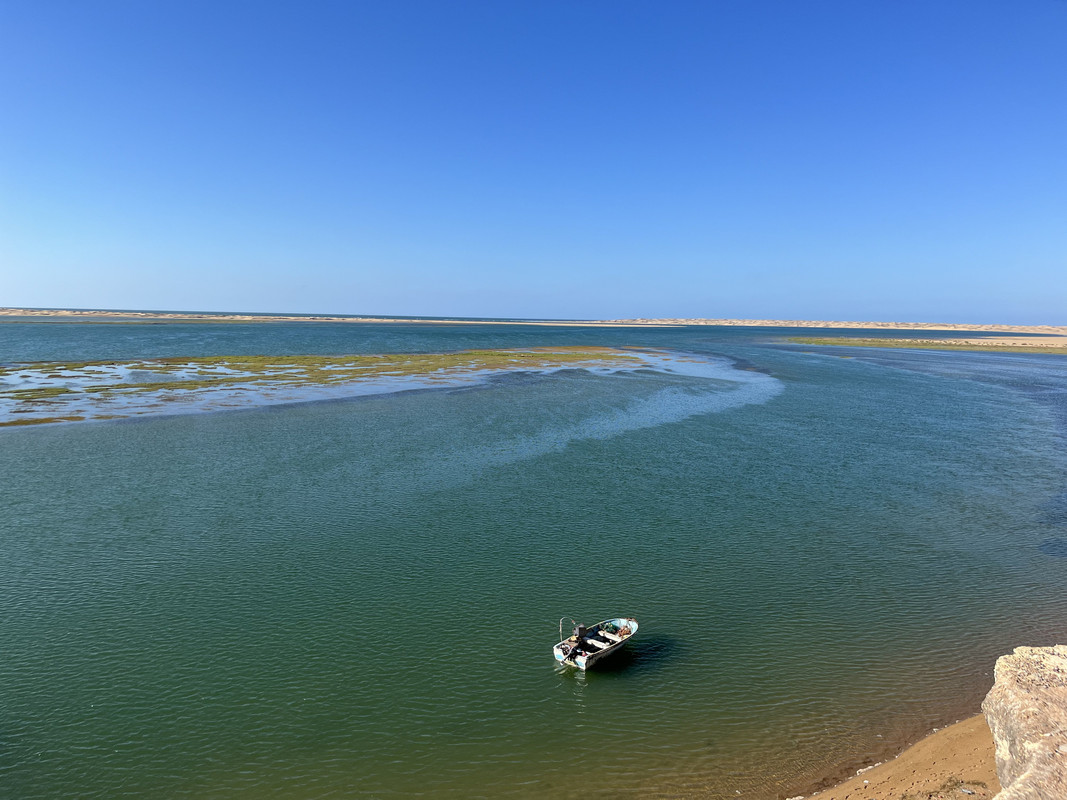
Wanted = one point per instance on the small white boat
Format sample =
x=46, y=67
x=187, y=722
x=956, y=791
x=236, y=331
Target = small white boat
x=585, y=646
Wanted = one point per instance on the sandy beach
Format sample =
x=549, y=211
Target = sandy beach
x=955, y=761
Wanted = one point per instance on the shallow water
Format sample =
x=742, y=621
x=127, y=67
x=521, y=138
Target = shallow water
x=358, y=598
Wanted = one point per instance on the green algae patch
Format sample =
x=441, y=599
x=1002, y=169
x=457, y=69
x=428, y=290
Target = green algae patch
x=929, y=344
x=111, y=389
x=39, y=421
x=41, y=393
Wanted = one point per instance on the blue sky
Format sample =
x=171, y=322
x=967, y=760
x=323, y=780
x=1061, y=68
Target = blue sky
x=885, y=159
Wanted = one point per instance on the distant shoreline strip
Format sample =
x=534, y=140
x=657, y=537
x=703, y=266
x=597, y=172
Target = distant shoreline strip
x=1050, y=346
x=104, y=315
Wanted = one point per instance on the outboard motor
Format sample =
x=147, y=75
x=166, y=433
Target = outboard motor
x=580, y=631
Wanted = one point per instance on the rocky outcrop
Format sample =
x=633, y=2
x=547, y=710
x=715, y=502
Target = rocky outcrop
x=1027, y=711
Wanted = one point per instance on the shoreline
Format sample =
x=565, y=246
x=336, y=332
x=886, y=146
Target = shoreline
x=1054, y=345
x=192, y=316
x=148, y=317
x=1047, y=339
x=1054, y=330
x=957, y=757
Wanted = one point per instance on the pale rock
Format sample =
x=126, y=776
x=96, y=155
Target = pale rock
x=1027, y=712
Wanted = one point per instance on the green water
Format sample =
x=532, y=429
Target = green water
x=358, y=598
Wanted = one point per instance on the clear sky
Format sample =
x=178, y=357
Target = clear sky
x=830, y=159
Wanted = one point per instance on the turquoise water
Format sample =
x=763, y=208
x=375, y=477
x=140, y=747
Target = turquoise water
x=358, y=598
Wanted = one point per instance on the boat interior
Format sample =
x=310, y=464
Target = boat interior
x=599, y=637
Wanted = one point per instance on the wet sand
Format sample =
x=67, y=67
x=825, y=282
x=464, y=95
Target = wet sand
x=956, y=761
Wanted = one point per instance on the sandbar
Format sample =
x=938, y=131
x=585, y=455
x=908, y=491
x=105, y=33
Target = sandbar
x=103, y=317
x=1049, y=345
x=182, y=316
x=1052, y=330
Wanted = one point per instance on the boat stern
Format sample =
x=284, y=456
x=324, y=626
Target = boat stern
x=563, y=654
